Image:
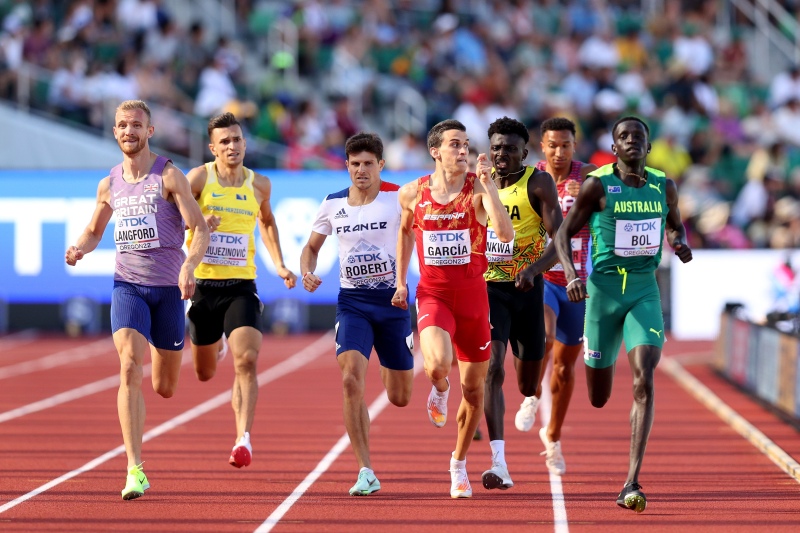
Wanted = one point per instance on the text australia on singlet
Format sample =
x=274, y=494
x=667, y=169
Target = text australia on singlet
x=136, y=227
x=446, y=246
x=637, y=237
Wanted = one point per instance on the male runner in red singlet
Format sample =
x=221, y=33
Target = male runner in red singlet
x=563, y=319
x=446, y=214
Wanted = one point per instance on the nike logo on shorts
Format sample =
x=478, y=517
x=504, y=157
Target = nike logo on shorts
x=422, y=317
x=178, y=343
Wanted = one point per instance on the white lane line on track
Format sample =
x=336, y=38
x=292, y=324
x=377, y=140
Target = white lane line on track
x=64, y=357
x=77, y=393
x=13, y=340
x=378, y=405
x=287, y=366
x=560, y=522
x=713, y=403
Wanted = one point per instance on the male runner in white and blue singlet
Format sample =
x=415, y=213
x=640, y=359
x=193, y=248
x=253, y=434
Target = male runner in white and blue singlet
x=365, y=218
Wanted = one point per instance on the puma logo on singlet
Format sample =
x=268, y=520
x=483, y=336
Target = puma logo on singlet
x=657, y=332
x=656, y=187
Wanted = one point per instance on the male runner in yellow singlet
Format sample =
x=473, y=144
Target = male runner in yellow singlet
x=232, y=198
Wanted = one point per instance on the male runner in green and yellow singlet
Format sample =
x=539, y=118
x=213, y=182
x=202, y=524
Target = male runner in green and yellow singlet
x=628, y=207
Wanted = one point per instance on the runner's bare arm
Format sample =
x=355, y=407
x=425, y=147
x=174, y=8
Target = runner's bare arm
x=490, y=205
x=308, y=261
x=91, y=236
x=587, y=202
x=405, y=242
x=676, y=233
x=197, y=181
x=269, y=230
x=542, y=186
x=176, y=185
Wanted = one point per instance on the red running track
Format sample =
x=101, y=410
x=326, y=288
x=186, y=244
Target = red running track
x=698, y=473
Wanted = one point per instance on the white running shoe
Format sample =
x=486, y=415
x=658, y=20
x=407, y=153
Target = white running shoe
x=526, y=415
x=223, y=351
x=555, y=459
x=437, y=406
x=459, y=482
x=497, y=477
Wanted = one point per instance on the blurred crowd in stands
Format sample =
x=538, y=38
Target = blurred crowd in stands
x=306, y=74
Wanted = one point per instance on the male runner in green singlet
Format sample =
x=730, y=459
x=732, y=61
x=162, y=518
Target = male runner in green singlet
x=628, y=207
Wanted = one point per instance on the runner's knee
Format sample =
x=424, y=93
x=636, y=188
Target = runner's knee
x=352, y=385
x=164, y=388
x=245, y=362
x=400, y=398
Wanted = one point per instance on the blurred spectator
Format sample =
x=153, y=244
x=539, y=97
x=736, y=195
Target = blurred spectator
x=668, y=155
x=784, y=87
x=408, y=152
x=215, y=89
x=692, y=50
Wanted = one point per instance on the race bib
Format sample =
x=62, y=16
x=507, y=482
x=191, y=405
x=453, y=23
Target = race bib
x=498, y=251
x=446, y=247
x=637, y=237
x=577, y=256
x=360, y=267
x=136, y=233
x=227, y=249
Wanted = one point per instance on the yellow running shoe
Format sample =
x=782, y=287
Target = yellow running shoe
x=135, y=484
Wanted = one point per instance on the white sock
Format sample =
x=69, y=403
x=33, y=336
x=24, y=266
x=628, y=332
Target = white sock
x=365, y=469
x=245, y=438
x=498, y=451
x=456, y=463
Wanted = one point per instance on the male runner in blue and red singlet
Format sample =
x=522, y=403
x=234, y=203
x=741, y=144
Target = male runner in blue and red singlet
x=446, y=213
x=563, y=319
x=365, y=219
x=151, y=199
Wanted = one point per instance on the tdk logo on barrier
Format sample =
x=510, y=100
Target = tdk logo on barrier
x=616, y=189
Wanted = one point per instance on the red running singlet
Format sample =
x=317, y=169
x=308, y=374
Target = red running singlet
x=451, y=243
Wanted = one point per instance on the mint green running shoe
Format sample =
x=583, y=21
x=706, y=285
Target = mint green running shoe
x=367, y=484
x=135, y=484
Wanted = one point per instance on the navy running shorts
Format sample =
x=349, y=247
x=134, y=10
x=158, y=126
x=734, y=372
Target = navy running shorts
x=367, y=318
x=569, y=315
x=155, y=312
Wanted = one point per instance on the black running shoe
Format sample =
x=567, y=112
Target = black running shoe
x=631, y=497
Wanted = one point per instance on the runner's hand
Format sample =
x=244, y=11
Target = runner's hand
x=213, y=222
x=186, y=282
x=311, y=282
x=400, y=298
x=576, y=290
x=73, y=255
x=289, y=278
x=683, y=252
x=484, y=170
x=525, y=280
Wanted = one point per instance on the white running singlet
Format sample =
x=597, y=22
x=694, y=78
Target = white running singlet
x=367, y=236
